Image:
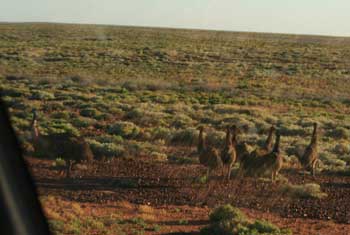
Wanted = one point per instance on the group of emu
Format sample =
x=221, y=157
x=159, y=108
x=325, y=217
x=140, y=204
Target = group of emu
x=265, y=159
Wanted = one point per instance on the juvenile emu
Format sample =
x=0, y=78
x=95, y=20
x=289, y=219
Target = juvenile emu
x=228, y=154
x=208, y=156
x=71, y=149
x=310, y=157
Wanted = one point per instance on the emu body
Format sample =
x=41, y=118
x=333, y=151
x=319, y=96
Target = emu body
x=72, y=149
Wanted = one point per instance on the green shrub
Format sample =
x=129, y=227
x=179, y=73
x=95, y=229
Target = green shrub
x=339, y=133
x=342, y=148
x=59, y=162
x=60, y=115
x=20, y=123
x=83, y=122
x=264, y=227
x=215, y=138
x=160, y=157
x=90, y=112
x=292, y=130
x=106, y=149
x=227, y=212
x=185, y=137
x=303, y=191
x=124, y=129
x=116, y=139
x=331, y=159
x=181, y=121
x=160, y=133
x=67, y=128
x=41, y=95
x=14, y=92
x=137, y=148
x=135, y=113
x=227, y=220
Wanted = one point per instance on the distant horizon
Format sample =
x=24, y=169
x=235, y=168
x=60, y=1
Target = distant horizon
x=175, y=28
x=293, y=17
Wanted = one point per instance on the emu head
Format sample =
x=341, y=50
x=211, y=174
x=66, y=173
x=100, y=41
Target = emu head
x=200, y=128
x=272, y=129
x=235, y=130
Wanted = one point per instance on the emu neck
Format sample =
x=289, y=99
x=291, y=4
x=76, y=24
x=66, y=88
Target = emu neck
x=276, y=148
x=268, y=143
x=201, y=141
x=35, y=130
x=314, y=137
x=228, y=138
x=234, y=139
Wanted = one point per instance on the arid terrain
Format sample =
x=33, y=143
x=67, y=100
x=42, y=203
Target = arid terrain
x=171, y=190
x=137, y=96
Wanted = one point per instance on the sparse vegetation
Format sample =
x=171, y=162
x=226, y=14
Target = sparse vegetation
x=227, y=220
x=140, y=93
x=303, y=191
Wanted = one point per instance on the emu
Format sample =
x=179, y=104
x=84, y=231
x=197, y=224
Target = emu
x=228, y=153
x=208, y=156
x=268, y=143
x=255, y=164
x=310, y=157
x=241, y=147
x=72, y=149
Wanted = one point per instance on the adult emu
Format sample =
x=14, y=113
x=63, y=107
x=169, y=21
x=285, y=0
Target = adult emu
x=228, y=153
x=310, y=157
x=71, y=148
x=208, y=156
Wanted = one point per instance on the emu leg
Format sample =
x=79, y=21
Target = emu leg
x=314, y=168
x=273, y=177
x=229, y=172
x=223, y=172
x=69, y=169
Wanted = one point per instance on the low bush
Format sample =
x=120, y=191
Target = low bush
x=339, y=133
x=303, y=191
x=109, y=150
x=160, y=157
x=160, y=133
x=185, y=137
x=41, y=95
x=332, y=160
x=90, y=112
x=58, y=127
x=83, y=122
x=59, y=162
x=227, y=220
x=124, y=129
x=342, y=148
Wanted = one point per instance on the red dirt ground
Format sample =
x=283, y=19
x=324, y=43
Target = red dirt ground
x=165, y=186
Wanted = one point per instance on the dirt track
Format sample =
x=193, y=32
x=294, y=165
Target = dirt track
x=160, y=184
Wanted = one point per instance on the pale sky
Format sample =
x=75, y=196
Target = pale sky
x=326, y=17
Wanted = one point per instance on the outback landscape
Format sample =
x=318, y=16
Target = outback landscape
x=138, y=97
